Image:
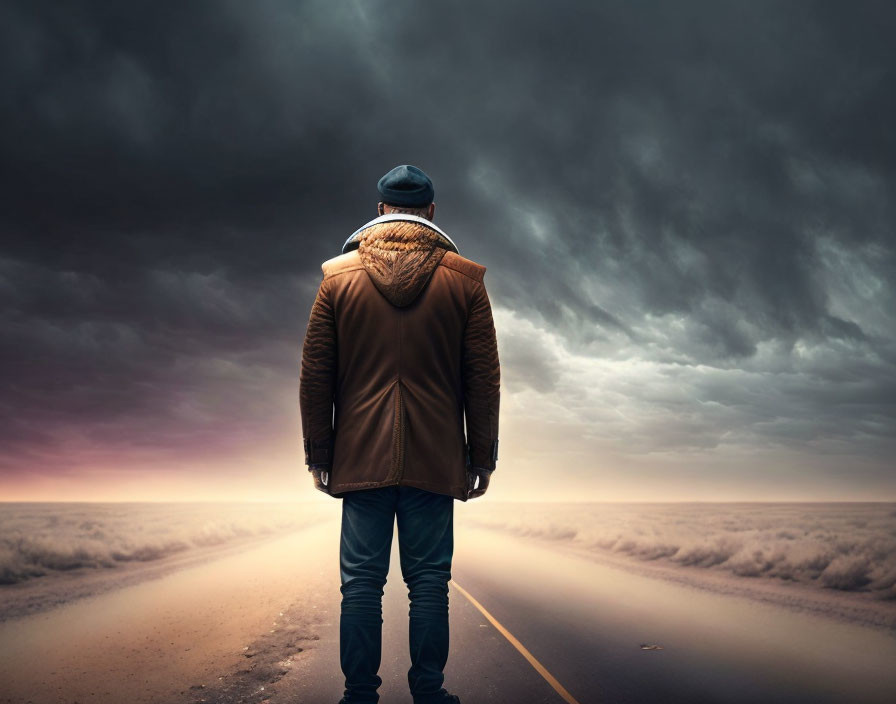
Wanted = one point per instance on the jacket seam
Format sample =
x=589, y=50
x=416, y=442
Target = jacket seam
x=343, y=271
x=371, y=483
x=460, y=271
x=393, y=482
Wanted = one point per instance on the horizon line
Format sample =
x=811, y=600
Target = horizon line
x=493, y=501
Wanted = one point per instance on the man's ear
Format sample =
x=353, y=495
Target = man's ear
x=432, y=210
x=379, y=208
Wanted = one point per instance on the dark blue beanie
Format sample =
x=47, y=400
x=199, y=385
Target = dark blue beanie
x=406, y=185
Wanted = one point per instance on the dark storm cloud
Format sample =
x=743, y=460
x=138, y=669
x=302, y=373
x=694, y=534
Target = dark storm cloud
x=699, y=184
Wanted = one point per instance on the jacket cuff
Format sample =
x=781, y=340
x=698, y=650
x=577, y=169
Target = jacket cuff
x=482, y=469
x=483, y=458
x=318, y=451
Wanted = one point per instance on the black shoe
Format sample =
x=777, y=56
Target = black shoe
x=441, y=697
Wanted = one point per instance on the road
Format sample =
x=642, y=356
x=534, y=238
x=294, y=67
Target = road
x=570, y=629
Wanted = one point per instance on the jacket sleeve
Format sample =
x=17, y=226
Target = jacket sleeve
x=317, y=380
x=481, y=373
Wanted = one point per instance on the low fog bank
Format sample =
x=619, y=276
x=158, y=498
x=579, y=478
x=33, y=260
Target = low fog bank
x=850, y=547
x=39, y=539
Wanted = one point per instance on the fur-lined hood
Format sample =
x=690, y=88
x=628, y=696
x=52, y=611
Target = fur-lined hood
x=400, y=252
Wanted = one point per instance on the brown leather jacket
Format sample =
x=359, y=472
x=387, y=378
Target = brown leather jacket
x=399, y=346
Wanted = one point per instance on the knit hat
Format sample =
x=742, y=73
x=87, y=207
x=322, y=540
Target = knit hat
x=407, y=186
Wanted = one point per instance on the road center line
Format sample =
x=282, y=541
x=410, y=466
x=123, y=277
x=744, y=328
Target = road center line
x=541, y=669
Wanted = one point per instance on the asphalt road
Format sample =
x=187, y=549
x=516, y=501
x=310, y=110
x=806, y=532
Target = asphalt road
x=566, y=629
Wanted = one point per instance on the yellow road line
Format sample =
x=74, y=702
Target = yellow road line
x=541, y=669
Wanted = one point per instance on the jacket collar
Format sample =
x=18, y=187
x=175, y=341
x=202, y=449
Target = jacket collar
x=353, y=241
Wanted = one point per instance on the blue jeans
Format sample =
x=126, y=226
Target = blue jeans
x=426, y=547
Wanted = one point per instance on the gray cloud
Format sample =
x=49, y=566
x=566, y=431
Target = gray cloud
x=704, y=189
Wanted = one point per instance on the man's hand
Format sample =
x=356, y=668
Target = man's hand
x=321, y=473
x=473, y=473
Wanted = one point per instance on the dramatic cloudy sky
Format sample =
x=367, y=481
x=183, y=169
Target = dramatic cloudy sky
x=686, y=210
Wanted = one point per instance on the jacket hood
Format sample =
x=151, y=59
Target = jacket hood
x=400, y=253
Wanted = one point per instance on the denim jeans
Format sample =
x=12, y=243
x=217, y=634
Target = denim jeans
x=426, y=547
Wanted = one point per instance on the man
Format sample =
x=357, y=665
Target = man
x=400, y=346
